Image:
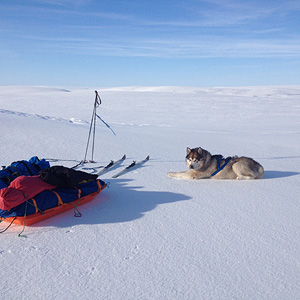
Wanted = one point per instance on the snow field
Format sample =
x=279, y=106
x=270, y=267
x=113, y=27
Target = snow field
x=148, y=236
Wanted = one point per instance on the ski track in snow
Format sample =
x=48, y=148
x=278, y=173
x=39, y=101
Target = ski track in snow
x=71, y=120
x=47, y=118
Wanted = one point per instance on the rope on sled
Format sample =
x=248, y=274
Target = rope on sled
x=25, y=215
x=77, y=213
x=8, y=225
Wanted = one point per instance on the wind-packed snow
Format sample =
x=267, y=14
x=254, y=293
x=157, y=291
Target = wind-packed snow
x=148, y=236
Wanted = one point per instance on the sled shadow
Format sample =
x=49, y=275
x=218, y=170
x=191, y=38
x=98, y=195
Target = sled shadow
x=117, y=204
x=279, y=174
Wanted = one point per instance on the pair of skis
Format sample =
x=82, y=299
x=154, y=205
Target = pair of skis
x=129, y=168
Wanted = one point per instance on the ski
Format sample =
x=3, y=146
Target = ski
x=111, y=165
x=132, y=166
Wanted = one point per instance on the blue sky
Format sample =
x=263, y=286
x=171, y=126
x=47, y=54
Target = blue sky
x=151, y=43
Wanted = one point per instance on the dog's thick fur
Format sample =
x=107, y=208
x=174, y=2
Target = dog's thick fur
x=202, y=165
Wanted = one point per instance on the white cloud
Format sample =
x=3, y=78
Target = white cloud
x=218, y=30
x=201, y=47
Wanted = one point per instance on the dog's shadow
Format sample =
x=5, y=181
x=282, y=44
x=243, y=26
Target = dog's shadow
x=279, y=174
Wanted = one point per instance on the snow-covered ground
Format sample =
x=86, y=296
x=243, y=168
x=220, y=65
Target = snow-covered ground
x=148, y=236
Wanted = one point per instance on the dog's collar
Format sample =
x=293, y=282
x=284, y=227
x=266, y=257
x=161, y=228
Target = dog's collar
x=219, y=168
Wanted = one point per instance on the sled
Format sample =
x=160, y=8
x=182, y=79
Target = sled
x=52, y=202
x=48, y=213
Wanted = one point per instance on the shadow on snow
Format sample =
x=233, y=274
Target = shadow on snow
x=279, y=174
x=116, y=204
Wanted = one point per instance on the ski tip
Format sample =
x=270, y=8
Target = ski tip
x=148, y=157
x=124, y=156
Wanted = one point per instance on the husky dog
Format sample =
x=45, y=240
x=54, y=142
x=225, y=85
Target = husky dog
x=204, y=165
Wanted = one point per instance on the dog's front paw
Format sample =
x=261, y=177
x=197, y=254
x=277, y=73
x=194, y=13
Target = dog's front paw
x=172, y=174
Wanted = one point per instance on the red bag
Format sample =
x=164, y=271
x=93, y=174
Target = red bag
x=21, y=189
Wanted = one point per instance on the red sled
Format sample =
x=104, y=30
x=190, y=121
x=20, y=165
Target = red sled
x=37, y=217
x=61, y=206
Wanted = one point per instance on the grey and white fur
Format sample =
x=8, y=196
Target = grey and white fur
x=202, y=164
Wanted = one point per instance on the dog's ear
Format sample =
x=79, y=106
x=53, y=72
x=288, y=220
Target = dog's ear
x=200, y=150
x=188, y=150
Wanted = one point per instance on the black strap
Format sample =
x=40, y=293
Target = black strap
x=37, y=167
x=14, y=171
x=27, y=168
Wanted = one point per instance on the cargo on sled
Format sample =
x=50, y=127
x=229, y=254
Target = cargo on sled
x=31, y=191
